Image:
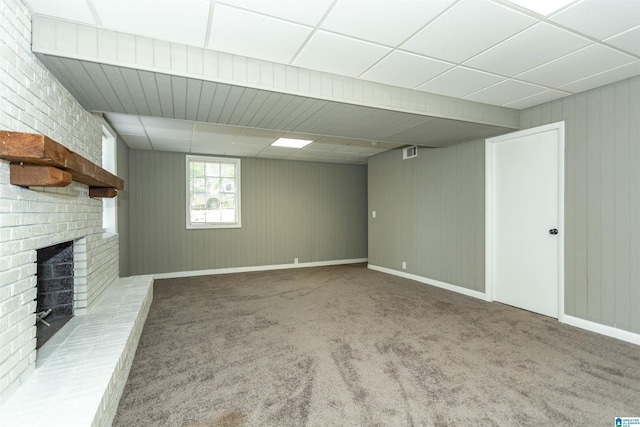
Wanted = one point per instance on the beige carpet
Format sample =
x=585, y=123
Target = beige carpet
x=347, y=346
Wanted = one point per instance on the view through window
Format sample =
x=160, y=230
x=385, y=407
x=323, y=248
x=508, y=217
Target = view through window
x=213, y=192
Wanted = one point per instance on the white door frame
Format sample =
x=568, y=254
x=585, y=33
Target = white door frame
x=490, y=285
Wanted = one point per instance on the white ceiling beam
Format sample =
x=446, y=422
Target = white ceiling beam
x=209, y=65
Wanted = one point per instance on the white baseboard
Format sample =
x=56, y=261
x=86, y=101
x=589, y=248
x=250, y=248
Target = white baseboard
x=598, y=328
x=436, y=283
x=256, y=268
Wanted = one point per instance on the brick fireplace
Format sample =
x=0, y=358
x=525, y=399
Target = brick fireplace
x=108, y=312
x=37, y=217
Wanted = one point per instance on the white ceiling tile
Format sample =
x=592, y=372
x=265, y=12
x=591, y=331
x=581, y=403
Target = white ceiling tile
x=304, y=12
x=405, y=70
x=460, y=81
x=206, y=127
x=329, y=155
x=125, y=123
x=257, y=137
x=209, y=149
x=206, y=132
x=182, y=22
x=212, y=143
x=311, y=153
x=72, y=10
x=388, y=22
x=371, y=151
x=161, y=122
x=531, y=48
x=467, y=29
x=354, y=149
x=243, y=150
x=604, y=78
x=583, y=63
x=137, y=142
x=122, y=118
x=540, y=98
x=217, y=143
x=339, y=55
x=261, y=132
x=294, y=135
x=628, y=41
x=381, y=146
x=167, y=128
x=170, y=144
x=600, y=18
x=346, y=157
x=304, y=157
x=323, y=146
x=361, y=143
x=257, y=36
x=132, y=129
x=505, y=92
x=543, y=7
x=332, y=140
x=278, y=151
x=209, y=137
x=273, y=156
x=259, y=141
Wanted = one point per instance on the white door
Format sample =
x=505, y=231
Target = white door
x=525, y=218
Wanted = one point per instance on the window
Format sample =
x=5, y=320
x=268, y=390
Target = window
x=109, y=163
x=213, y=192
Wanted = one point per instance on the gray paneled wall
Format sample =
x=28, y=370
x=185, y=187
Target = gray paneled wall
x=122, y=201
x=312, y=211
x=430, y=213
x=602, y=201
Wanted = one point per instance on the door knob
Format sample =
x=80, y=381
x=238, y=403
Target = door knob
x=553, y=231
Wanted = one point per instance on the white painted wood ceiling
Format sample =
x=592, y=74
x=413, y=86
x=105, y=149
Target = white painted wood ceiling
x=491, y=51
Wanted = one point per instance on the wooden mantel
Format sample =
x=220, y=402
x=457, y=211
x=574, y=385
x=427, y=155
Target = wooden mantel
x=37, y=160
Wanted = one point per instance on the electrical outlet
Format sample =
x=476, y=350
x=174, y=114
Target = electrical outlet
x=295, y=260
x=373, y=214
x=404, y=265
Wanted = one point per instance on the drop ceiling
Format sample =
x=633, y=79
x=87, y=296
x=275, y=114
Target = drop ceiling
x=488, y=51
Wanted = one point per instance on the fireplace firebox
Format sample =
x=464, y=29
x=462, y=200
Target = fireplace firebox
x=54, y=305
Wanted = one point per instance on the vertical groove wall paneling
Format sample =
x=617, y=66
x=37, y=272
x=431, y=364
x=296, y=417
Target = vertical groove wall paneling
x=594, y=205
x=580, y=296
x=634, y=211
x=607, y=204
x=602, y=201
x=622, y=194
x=427, y=208
x=122, y=203
x=312, y=211
x=479, y=234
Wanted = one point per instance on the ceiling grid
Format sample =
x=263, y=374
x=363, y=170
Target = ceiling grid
x=412, y=72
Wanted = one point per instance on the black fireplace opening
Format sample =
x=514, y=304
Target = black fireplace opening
x=54, y=305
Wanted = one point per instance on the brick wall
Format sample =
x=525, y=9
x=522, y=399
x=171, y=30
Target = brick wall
x=32, y=100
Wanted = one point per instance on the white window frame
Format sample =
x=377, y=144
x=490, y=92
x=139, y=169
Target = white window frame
x=109, y=163
x=238, y=187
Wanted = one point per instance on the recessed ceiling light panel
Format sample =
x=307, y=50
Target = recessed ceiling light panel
x=291, y=143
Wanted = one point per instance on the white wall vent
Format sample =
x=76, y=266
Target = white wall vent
x=409, y=152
